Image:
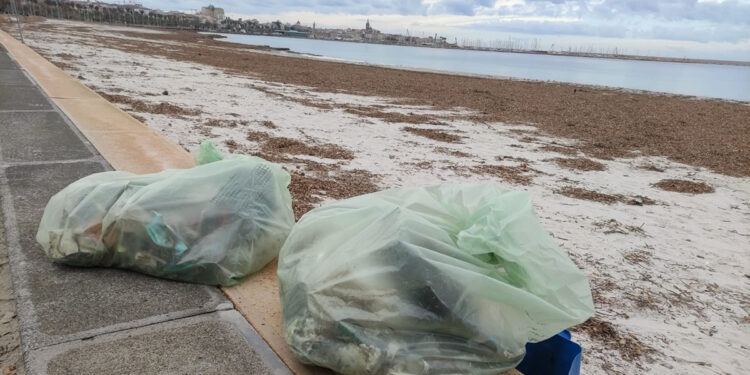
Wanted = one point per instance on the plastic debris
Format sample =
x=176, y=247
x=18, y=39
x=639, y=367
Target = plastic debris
x=438, y=280
x=211, y=224
x=557, y=355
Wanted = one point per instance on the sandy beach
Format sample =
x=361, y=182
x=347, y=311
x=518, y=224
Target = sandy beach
x=608, y=123
x=649, y=194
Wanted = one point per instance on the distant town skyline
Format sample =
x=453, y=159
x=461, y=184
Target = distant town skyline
x=713, y=29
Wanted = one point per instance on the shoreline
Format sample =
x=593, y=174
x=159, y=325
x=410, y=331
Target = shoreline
x=285, y=52
x=686, y=60
x=683, y=60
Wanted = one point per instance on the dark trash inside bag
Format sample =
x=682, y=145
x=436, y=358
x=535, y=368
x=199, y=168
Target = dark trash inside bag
x=439, y=280
x=211, y=224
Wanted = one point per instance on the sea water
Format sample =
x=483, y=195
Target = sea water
x=703, y=80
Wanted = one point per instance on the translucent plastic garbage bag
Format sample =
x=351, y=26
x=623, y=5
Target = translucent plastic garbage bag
x=437, y=280
x=211, y=224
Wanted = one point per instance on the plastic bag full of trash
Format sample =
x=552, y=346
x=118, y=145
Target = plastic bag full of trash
x=212, y=224
x=437, y=280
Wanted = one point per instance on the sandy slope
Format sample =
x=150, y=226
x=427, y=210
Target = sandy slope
x=671, y=279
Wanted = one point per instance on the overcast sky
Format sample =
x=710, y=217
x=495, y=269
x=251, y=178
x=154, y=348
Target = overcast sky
x=693, y=28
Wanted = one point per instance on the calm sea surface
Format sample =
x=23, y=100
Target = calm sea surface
x=709, y=80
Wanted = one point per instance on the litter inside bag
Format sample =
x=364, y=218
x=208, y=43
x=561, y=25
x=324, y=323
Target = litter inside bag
x=437, y=280
x=211, y=224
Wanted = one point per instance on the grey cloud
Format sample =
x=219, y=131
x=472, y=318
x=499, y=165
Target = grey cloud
x=668, y=19
x=552, y=28
x=703, y=34
x=729, y=11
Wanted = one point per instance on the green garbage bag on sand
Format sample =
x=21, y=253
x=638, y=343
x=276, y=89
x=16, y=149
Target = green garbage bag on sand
x=437, y=280
x=211, y=224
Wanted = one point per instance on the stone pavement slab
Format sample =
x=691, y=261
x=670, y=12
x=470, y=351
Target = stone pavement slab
x=24, y=98
x=38, y=136
x=5, y=61
x=14, y=77
x=217, y=343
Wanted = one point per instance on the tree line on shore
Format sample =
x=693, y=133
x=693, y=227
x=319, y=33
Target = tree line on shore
x=106, y=13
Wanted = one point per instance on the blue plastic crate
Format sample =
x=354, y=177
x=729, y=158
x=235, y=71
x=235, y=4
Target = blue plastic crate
x=558, y=355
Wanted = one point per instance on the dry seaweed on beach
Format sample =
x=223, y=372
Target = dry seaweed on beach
x=628, y=345
x=268, y=124
x=308, y=189
x=581, y=164
x=565, y=150
x=651, y=167
x=639, y=200
x=612, y=226
x=162, y=108
x=231, y=144
x=216, y=123
x=139, y=118
x=436, y=135
x=293, y=146
x=637, y=256
x=580, y=193
x=591, y=195
x=411, y=118
x=684, y=186
x=456, y=153
x=517, y=175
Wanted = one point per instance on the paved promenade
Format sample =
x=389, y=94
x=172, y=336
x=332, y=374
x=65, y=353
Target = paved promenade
x=98, y=321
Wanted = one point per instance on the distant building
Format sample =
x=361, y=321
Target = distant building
x=298, y=27
x=211, y=13
x=370, y=34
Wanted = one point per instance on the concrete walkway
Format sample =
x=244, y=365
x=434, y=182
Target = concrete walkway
x=99, y=321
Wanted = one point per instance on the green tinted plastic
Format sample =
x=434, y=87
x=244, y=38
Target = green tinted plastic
x=211, y=224
x=207, y=154
x=437, y=280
